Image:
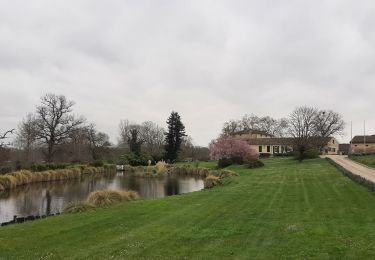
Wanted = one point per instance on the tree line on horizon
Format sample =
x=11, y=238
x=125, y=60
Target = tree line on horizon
x=53, y=133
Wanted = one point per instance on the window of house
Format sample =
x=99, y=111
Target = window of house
x=333, y=141
x=268, y=149
x=260, y=148
x=334, y=150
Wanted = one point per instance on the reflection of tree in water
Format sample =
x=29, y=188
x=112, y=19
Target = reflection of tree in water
x=48, y=205
x=171, y=186
x=151, y=187
x=4, y=194
x=131, y=182
x=50, y=197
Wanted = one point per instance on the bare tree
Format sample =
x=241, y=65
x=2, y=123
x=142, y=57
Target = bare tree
x=302, y=123
x=250, y=122
x=152, y=136
x=3, y=136
x=27, y=136
x=149, y=134
x=76, y=147
x=302, y=128
x=125, y=128
x=97, y=141
x=276, y=127
x=55, y=122
x=232, y=127
x=328, y=123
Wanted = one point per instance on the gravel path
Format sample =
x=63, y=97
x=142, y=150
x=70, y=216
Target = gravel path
x=354, y=167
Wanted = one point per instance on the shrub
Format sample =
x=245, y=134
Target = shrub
x=77, y=207
x=38, y=167
x=311, y=153
x=254, y=164
x=135, y=160
x=5, y=169
x=97, y=163
x=305, y=152
x=225, y=162
x=238, y=160
x=264, y=155
x=48, y=166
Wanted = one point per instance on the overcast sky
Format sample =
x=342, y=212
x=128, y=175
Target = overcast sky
x=209, y=60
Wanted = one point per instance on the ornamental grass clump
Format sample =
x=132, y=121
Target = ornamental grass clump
x=78, y=207
x=129, y=195
x=226, y=173
x=161, y=168
x=211, y=181
x=105, y=198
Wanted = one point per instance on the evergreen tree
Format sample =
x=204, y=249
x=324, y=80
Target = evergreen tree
x=134, y=142
x=174, y=136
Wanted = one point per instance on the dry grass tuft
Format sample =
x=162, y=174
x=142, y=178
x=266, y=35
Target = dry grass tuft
x=129, y=195
x=211, y=181
x=104, y=198
x=226, y=173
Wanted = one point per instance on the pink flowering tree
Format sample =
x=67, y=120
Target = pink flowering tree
x=230, y=147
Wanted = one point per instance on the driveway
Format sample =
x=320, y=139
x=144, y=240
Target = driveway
x=354, y=167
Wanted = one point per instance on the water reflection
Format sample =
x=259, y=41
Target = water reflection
x=49, y=198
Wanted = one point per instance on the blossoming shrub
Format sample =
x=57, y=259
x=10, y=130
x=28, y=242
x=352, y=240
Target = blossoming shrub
x=230, y=150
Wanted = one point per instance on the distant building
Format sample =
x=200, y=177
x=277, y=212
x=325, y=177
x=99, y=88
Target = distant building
x=266, y=143
x=363, y=144
x=344, y=149
x=328, y=145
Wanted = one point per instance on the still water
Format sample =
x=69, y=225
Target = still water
x=51, y=197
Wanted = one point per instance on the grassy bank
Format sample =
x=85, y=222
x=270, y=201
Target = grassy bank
x=283, y=210
x=368, y=160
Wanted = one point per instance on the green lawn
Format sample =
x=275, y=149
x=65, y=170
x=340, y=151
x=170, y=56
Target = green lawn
x=368, y=160
x=284, y=210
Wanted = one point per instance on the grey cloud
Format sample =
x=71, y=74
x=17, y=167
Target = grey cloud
x=209, y=60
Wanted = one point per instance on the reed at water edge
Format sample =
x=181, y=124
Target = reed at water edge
x=23, y=177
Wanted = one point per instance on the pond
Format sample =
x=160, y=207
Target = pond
x=51, y=197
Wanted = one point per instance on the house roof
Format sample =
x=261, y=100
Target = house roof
x=270, y=141
x=359, y=139
x=284, y=141
x=251, y=131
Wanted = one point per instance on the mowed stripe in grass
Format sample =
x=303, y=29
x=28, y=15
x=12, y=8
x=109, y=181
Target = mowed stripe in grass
x=284, y=210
